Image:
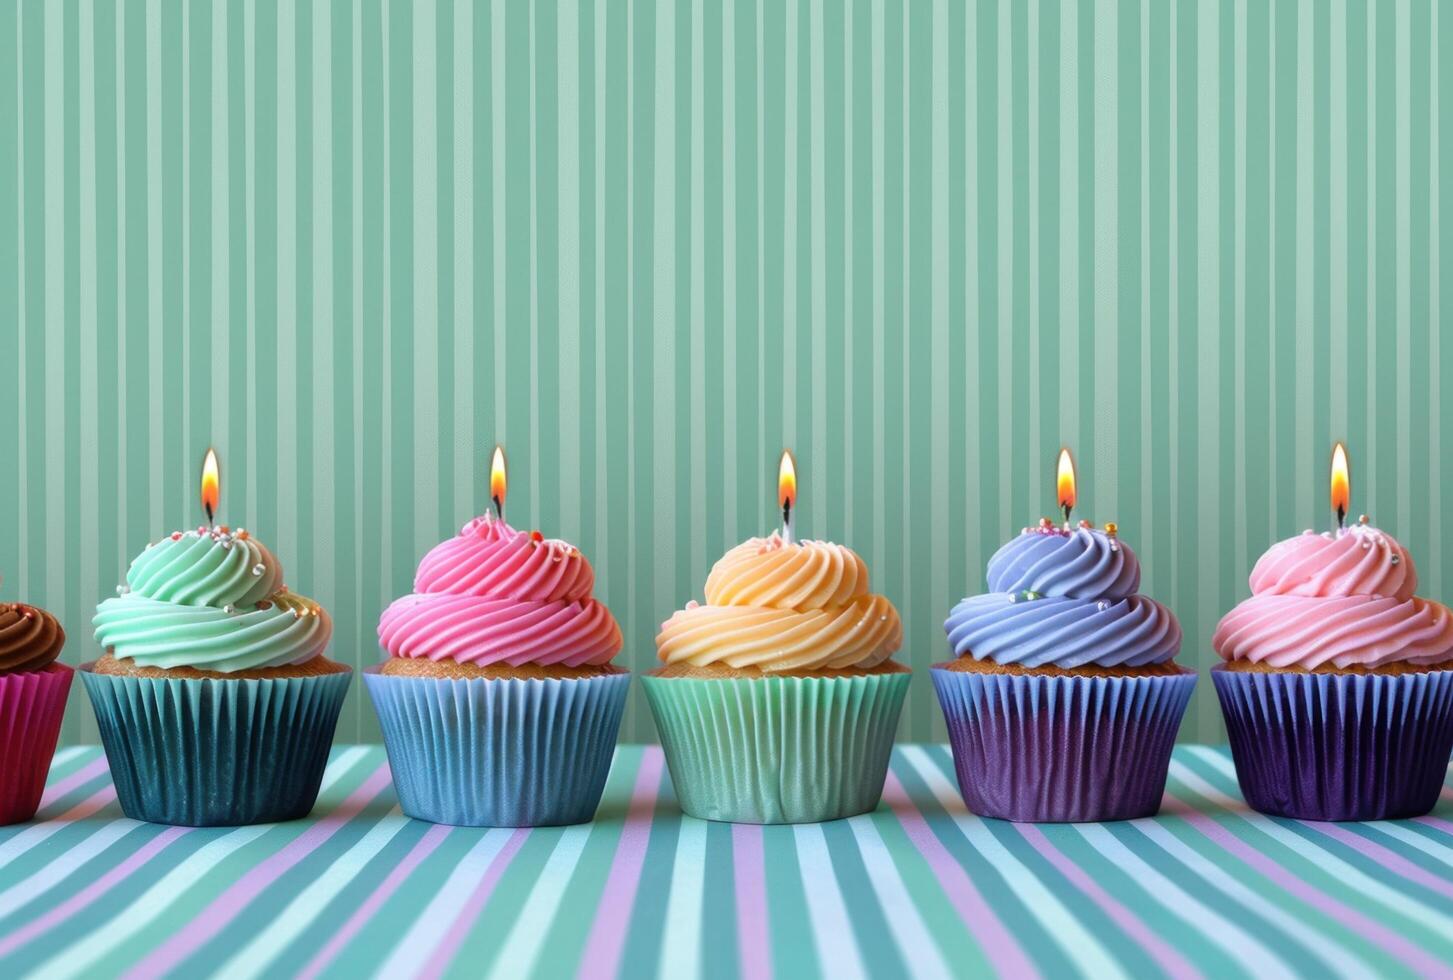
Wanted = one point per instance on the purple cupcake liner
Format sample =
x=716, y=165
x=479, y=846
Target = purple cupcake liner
x=1061, y=749
x=1338, y=746
x=32, y=704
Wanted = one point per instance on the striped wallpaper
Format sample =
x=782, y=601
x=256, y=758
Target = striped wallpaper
x=646, y=244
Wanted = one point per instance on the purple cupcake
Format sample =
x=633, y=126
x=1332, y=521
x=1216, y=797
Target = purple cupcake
x=1064, y=698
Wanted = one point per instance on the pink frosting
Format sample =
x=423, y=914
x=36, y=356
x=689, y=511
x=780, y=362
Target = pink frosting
x=494, y=595
x=1359, y=561
x=1342, y=600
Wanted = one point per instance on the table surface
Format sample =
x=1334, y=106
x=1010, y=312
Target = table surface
x=920, y=887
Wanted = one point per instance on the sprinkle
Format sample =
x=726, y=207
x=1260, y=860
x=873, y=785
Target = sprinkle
x=258, y=569
x=1114, y=547
x=1030, y=595
x=229, y=609
x=536, y=537
x=1111, y=528
x=1102, y=605
x=1085, y=525
x=882, y=619
x=227, y=545
x=1045, y=522
x=1013, y=597
x=176, y=535
x=264, y=604
x=1394, y=559
x=122, y=590
x=1362, y=519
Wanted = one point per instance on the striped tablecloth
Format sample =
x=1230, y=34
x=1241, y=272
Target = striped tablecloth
x=920, y=887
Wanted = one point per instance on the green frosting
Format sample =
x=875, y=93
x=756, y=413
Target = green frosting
x=211, y=599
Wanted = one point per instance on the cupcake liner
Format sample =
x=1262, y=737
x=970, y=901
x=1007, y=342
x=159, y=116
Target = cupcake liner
x=777, y=749
x=204, y=752
x=1338, y=746
x=482, y=752
x=1058, y=749
x=32, y=704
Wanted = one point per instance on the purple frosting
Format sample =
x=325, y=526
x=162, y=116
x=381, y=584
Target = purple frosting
x=1066, y=599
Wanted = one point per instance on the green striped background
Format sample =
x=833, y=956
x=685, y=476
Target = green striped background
x=646, y=244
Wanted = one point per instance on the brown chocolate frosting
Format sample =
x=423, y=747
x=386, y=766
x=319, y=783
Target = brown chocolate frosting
x=30, y=638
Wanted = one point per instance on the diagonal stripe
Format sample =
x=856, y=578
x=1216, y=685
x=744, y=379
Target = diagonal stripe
x=1169, y=959
x=81, y=956
x=522, y=946
x=174, y=885
x=55, y=791
x=915, y=943
x=31, y=836
x=195, y=933
x=366, y=910
x=443, y=954
x=1396, y=901
x=1395, y=944
x=294, y=918
x=428, y=929
x=612, y=922
x=79, y=901
x=1000, y=946
x=1255, y=957
x=64, y=865
x=1058, y=922
x=837, y=947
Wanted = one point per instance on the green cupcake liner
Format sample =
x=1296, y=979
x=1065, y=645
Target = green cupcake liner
x=204, y=752
x=777, y=749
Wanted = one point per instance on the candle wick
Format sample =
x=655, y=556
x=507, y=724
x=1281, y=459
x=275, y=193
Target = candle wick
x=787, y=521
x=1067, y=508
x=499, y=507
x=208, y=509
x=1341, y=518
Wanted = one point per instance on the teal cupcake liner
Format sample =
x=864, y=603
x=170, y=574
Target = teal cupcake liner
x=499, y=752
x=205, y=752
x=777, y=749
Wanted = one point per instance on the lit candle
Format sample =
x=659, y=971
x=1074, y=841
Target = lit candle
x=787, y=492
x=1341, y=485
x=1065, y=483
x=211, y=486
x=497, y=482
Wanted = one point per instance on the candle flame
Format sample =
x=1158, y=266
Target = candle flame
x=787, y=482
x=497, y=481
x=1065, y=482
x=1341, y=483
x=211, y=485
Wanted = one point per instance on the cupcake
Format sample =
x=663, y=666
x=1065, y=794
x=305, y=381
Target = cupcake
x=215, y=702
x=1337, y=684
x=1064, y=698
x=33, y=689
x=776, y=699
x=498, y=701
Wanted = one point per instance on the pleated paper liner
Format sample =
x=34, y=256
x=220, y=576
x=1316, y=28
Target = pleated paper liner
x=493, y=752
x=777, y=749
x=1037, y=748
x=1338, y=746
x=210, y=752
x=32, y=704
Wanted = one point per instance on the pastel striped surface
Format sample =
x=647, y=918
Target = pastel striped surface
x=920, y=887
x=648, y=243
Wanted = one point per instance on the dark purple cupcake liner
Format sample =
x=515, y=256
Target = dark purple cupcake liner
x=1338, y=746
x=1060, y=749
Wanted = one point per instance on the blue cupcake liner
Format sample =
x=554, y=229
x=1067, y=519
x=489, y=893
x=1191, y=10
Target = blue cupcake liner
x=484, y=752
x=777, y=749
x=1338, y=746
x=208, y=752
x=1058, y=749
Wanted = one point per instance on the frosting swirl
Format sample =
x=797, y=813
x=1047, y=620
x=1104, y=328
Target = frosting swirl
x=1064, y=598
x=211, y=599
x=1336, y=601
x=495, y=595
x=1082, y=564
x=777, y=606
x=30, y=638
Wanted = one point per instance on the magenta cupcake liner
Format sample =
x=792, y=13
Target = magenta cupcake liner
x=1338, y=746
x=483, y=752
x=1055, y=749
x=32, y=704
